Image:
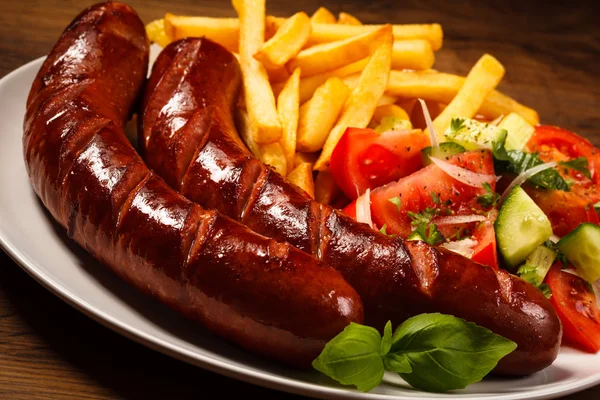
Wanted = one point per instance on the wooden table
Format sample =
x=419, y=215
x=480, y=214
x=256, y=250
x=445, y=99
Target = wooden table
x=50, y=350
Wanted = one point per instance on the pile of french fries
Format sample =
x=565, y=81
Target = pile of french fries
x=307, y=79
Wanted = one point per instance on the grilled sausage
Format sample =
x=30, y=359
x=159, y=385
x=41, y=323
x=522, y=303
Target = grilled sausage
x=264, y=295
x=188, y=136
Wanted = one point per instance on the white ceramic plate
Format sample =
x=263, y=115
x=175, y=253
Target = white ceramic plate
x=40, y=247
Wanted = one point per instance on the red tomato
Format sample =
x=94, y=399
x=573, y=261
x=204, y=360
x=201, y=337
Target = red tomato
x=576, y=307
x=432, y=187
x=567, y=210
x=364, y=159
x=415, y=192
x=485, y=252
x=556, y=144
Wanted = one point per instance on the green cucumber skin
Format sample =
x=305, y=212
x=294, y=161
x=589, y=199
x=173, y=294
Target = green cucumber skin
x=521, y=227
x=582, y=249
x=445, y=151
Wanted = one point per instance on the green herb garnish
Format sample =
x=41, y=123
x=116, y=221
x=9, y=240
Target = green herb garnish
x=397, y=201
x=578, y=164
x=432, y=352
x=519, y=161
x=490, y=198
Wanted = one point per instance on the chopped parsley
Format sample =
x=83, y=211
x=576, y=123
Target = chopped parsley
x=423, y=226
x=490, y=198
x=545, y=288
x=397, y=201
x=435, y=198
x=456, y=124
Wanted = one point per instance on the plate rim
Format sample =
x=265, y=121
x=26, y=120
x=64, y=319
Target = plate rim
x=248, y=375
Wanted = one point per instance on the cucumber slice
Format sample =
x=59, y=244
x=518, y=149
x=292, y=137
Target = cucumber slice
x=391, y=123
x=582, y=249
x=444, y=151
x=472, y=134
x=537, y=265
x=519, y=131
x=521, y=226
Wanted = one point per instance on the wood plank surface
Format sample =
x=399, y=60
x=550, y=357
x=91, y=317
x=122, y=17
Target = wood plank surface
x=50, y=350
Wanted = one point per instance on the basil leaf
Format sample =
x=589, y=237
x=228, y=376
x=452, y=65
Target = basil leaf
x=353, y=357
x=386, y=342
x=445, y=352
x=578, y=164
x=397, y=363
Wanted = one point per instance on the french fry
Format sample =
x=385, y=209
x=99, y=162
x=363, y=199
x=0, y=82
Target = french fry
x=288, y=108
x=319, y=114
x=225, y=31
x=485, y=75
x=156, y=32
x=271, y=153
x=287, y=42
x=387, y=99
x=302, y=177
x=348, y=19
x=309, y=84
x=325, y=33
x=326, y=190
x=309, y=158
x=361, y=104
x=260, y=101
x=252, y=26
x=388, y=110
x=278, y=75
x=329, y=56
x=412, y=54
x=442, y=87
x=323, y=16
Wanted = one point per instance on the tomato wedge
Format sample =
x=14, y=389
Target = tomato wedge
x=365, y=159
x=425, y=188
x=485, y=252
x=576, y=307
x=567, y=210
x=433, y=188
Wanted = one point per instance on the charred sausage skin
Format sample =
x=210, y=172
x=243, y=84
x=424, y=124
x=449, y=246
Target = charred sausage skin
x=188, y=136
x=264, y=295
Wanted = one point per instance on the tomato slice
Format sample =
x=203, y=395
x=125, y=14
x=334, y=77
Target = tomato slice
x=576, y=307
x=365, y=159
x=567, y=210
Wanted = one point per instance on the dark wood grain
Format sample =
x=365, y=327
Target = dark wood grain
x=49, y=350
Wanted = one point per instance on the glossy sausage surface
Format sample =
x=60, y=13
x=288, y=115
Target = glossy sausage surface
x=189, y=137
x=264, y=295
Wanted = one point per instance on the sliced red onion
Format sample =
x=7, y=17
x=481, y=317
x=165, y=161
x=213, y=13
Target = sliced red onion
x=464, y=175
x=459, y=219
x=463, y=247
x=572, y=272
x=523, y=176
x=432, y=134
x=363, y=208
